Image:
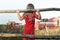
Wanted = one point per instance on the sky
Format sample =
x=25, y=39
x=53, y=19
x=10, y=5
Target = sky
x=21, y=4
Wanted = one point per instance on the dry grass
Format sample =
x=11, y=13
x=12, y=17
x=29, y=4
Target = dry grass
x=55, y=31
x=47, y=31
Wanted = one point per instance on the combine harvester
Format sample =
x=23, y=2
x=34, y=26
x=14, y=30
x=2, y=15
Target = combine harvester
x=50, y=23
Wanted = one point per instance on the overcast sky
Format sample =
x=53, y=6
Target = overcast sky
x=21, y=4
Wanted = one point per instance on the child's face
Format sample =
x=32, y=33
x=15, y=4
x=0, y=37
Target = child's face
x=28, y=7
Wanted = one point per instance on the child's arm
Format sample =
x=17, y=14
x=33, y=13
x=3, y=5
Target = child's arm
x=19, y=16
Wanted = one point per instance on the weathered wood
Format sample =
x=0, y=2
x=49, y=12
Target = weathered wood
x=7, y=11
x=14, y=11
x=40, y=10
x=8, y=35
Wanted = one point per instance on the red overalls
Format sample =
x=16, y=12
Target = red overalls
x=29, y=26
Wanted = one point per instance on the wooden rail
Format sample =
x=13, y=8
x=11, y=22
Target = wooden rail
x=8, y=35
x=40, y=10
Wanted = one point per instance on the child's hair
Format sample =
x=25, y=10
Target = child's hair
x=30, y=6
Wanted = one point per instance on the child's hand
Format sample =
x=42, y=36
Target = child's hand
x=38, y=10
x=18, y=11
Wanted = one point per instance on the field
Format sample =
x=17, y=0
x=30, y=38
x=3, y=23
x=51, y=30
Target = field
x=3, y=28
x=55, y=31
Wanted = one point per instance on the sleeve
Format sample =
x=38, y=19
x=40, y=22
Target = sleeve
x=35, y=15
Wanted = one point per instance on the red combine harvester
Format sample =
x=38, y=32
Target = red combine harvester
x=49, y=23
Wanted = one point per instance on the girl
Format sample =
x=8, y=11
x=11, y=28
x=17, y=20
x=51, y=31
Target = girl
x=29, y=19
